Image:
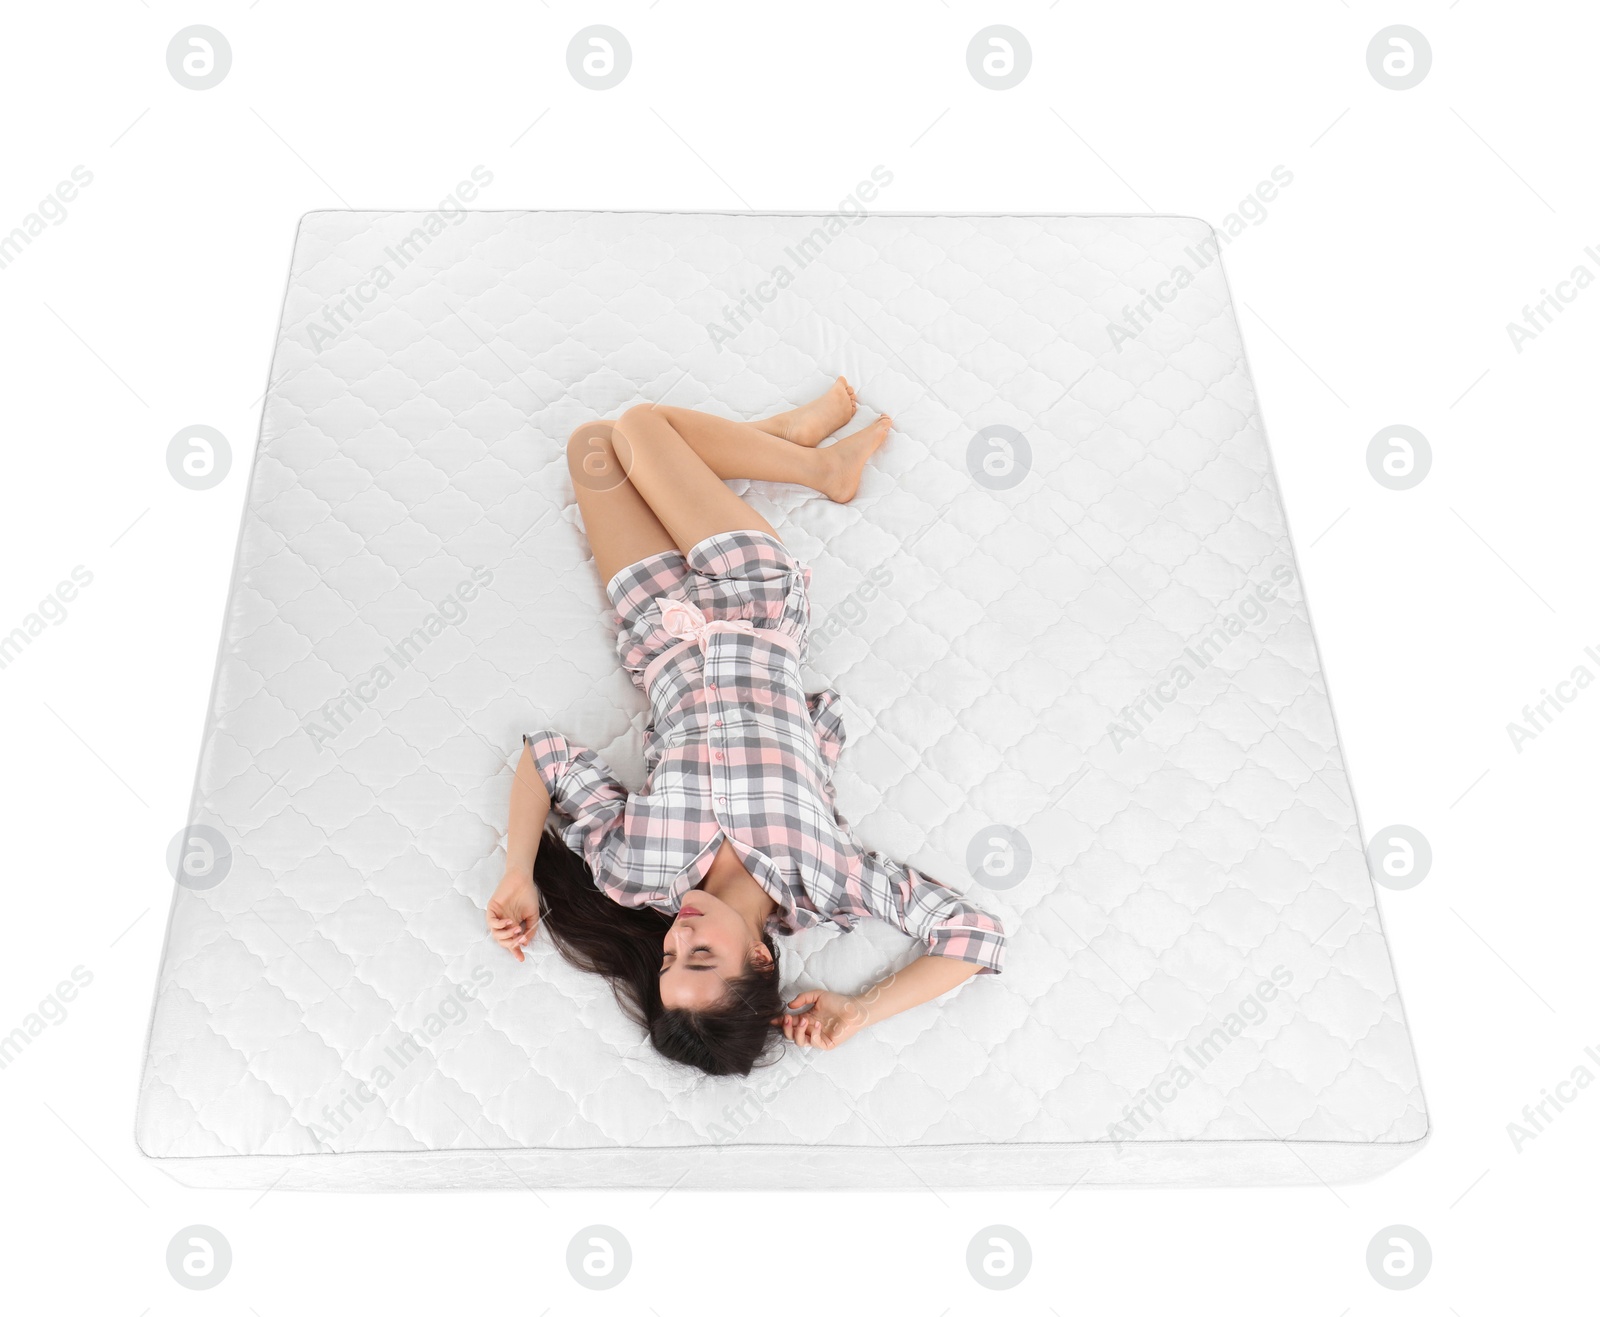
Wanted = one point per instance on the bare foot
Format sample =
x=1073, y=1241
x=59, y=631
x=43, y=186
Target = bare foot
x=848, y=458
x=809, y=425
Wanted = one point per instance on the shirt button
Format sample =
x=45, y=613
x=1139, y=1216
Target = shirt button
x=719, y=756
x=718, y=723
x=722, y=800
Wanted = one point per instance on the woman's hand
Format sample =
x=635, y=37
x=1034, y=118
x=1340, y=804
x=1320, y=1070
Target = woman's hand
x=513, y=913
x=832, y=1019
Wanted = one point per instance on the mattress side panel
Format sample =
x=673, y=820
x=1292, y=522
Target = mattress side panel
x=1224, y=1164
x=1226, y=709
x=153, y=1122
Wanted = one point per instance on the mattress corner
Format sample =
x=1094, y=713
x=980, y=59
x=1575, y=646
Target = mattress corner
x=307, y=216
x=1203, y=230
x=140, y=1134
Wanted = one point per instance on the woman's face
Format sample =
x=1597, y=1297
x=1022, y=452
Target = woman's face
x=708, y=944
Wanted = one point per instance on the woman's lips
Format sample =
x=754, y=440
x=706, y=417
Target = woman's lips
x=688, y=912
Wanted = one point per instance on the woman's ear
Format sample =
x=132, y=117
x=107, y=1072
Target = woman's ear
x=759, y=955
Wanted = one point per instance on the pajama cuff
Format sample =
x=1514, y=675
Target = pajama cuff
x=983, y=947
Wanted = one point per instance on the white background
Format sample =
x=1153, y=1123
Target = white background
x=1376, y=291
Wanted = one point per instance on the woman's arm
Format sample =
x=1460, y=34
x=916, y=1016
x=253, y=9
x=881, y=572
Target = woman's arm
x=834, y=1018
x=922, y=980
x=948, y=924
x=530, y=807
x=513, y=912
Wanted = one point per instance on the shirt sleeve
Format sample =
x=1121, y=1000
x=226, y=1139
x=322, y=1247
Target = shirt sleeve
x=592, y=804
x=948, y=923
x=827, y=725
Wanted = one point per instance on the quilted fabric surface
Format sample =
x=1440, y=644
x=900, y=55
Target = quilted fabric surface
x=1077, y=671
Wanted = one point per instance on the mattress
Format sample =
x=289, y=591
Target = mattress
x=1078, y=676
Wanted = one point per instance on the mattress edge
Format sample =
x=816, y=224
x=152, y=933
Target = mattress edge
x=209, y=725
x=1327, y=686
x=764, y=214
x=1256, y=1163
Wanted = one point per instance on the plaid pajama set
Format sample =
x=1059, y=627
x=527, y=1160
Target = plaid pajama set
x=736, y=748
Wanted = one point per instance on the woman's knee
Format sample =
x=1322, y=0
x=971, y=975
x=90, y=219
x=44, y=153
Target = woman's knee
x=592, y=453
x=588, y=437
x=641, y=420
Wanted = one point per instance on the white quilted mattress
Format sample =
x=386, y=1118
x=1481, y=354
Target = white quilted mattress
x=1101, y=646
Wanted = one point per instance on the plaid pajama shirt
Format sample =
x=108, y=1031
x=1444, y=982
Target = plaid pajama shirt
x=736, y=748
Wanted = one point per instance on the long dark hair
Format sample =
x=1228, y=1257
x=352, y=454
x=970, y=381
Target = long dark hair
x=623, y=943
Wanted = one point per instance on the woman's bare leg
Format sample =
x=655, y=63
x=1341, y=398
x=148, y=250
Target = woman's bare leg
x=816, y=420
x=739, y=450
x=620, y=526
x=677, y=460
x=686, y=495
x=619, y=522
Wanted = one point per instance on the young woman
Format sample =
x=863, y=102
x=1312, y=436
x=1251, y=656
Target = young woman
x=674, y=893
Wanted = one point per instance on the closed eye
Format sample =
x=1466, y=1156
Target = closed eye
x=668, y=956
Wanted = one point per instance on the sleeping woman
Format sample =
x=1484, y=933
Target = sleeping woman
x=674, y=893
